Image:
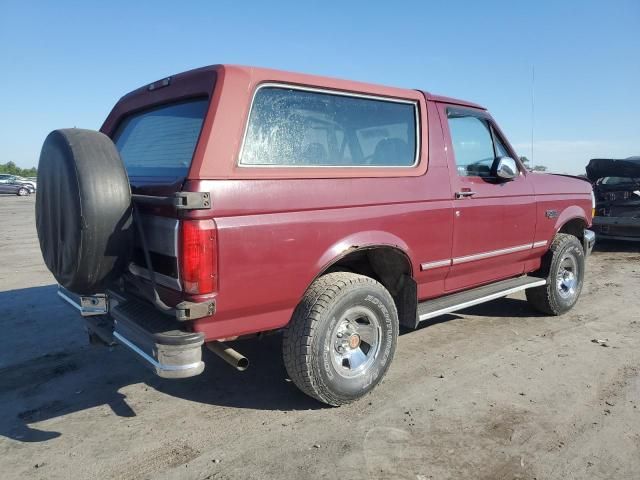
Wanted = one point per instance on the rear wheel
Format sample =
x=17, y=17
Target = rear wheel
x=342, y=338
x=563, y=267
x=23, y=192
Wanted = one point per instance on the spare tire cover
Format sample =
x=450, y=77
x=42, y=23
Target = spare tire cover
x=83, y=209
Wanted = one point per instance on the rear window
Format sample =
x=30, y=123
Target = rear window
x=298, y=127
x=160, y=142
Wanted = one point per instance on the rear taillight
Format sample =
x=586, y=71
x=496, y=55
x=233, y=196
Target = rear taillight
x=198, y=256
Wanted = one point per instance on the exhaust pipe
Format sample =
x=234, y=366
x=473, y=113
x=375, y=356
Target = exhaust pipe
x=229, y=355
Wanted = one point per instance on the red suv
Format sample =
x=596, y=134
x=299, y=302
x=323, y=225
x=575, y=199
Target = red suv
x=231, y=201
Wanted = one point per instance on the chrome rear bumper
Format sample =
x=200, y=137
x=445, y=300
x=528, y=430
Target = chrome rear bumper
x=159, y=340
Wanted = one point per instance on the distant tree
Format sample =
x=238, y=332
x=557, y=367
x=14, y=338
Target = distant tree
x=13, y=169
x=525, y=161
x=539, y=168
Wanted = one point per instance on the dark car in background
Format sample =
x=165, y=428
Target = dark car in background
x=616, y=187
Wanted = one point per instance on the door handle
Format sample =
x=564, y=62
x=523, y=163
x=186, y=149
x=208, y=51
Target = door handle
x=465, y=194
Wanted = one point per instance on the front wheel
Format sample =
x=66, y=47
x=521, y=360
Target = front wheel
x=342, y=338
x=23, y=192
x=563, y=267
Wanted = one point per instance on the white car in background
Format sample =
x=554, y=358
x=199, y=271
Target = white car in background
x=8, y=178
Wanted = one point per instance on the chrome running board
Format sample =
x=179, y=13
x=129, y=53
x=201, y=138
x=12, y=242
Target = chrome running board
x=458, y=301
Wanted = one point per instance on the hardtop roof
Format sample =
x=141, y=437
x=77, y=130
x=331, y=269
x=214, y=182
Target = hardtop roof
x=284, y=76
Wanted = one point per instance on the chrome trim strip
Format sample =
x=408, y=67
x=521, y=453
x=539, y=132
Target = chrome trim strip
x=69, y=300
x=493, y=253
x=165, y=280
x=436, y=264
x=153, y=361
x=329, y=91
x=486, y=298
x=480, y=256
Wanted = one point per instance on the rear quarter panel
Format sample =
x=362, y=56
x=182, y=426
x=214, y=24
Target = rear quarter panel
x=269, y=255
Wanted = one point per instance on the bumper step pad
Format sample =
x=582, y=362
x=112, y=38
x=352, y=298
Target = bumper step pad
x=171, y=352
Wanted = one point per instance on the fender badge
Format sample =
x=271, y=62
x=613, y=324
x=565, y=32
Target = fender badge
x=551, y=214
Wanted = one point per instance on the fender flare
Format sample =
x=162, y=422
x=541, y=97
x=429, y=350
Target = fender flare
x=570, y=213
x=405, y=296
x=362, y=241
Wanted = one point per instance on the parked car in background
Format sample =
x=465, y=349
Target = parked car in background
x=19, y=189
x=233, y=201
x=9, y=178
x=616, y=186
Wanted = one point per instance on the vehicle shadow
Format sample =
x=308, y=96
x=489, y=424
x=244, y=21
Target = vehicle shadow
x=502, y=307
x=611, y=246
x=73, y=377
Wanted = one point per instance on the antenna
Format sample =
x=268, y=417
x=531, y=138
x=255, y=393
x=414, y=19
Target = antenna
x=533, y=88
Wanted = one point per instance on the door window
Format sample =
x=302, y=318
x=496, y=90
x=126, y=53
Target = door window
x=501, y=150
x=475, y=146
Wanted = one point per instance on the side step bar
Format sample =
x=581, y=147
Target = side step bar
x=458, y=301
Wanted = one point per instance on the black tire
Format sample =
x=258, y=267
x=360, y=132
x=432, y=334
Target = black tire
x=349, y=305
x=23, y=192
x=83, y=209
x=565, y=259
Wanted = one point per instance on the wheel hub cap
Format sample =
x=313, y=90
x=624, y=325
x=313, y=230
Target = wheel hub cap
x=356, y=341
x=567, y=279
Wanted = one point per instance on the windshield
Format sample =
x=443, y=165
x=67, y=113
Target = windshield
x=618, y=180
x=160, y=142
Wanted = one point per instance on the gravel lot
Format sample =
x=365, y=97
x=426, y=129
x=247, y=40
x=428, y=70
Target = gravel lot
x=494, y=392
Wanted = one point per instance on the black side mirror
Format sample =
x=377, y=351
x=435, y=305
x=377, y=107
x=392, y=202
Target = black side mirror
x=504, y=168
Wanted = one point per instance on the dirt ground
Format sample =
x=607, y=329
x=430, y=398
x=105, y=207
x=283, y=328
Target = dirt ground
x=494, y=392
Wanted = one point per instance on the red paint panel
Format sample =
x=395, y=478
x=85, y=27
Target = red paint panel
x=276, y=235
x=278, y=228
x=500, y=215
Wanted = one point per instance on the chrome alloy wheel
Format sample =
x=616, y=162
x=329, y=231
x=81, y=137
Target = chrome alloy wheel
x=567, y=277
x=355, y=341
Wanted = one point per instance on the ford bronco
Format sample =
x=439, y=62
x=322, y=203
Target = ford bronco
x=231, y=201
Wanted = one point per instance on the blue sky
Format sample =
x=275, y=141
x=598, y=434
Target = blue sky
x=66, y=63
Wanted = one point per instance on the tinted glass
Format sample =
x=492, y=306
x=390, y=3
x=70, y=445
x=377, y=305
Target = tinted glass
x=617, y=180
x=472, y=145
x=289, y=127
x=501, y=150
x=160, y=142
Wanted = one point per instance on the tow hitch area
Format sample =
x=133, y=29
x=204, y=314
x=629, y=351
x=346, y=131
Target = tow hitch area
x=157, y=339
x=170, y=351
x=86, y=305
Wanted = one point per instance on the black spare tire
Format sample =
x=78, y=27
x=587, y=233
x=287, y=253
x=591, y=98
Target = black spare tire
x=83, y=209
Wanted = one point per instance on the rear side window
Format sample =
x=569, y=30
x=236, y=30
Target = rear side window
x=160, y=142
x=294, y=127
